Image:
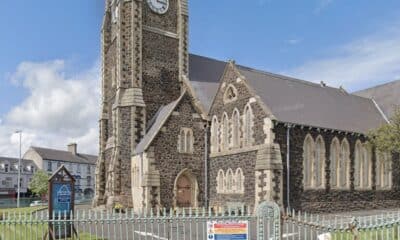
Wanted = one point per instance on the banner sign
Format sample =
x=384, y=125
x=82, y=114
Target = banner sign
x=228, y=230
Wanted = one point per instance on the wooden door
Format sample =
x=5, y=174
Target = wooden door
x=184, y=192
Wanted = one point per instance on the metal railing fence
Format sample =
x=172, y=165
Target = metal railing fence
x=160, y=224
x=298, y=225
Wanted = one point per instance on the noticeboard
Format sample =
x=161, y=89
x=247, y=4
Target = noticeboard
x=61, y=204
x=228, y=230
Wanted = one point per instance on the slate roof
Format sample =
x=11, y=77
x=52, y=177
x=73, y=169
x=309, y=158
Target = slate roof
x=205, y=74
x=386, y=95
x=64, y=156
x=292, y=100
x=158, y=121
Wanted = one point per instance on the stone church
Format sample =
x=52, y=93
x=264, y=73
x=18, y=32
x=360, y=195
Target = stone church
x=182, y=130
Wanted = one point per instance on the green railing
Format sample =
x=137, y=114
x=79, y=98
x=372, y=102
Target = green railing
x=297, y=225
x=160, y=224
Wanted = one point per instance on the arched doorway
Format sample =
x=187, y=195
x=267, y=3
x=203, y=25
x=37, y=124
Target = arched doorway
x=185, y=190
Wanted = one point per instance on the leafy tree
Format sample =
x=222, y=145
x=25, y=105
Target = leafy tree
x=387, y=137
x=39, y=184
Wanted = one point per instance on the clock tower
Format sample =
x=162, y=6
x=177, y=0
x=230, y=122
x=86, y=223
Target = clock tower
x=144, y=58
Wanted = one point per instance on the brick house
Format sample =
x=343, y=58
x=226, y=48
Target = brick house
x=181, y=130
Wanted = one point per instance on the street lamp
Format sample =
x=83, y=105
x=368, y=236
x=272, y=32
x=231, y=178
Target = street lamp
x=19, y=167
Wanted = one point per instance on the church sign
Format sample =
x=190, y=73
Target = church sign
x=61, y=204
x=228, y=230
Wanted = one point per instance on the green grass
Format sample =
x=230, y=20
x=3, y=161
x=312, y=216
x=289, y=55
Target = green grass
x=30, y=229
x=391, y=233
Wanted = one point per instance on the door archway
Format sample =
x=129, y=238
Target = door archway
x=185, y=190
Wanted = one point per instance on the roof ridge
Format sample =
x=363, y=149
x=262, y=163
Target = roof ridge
x=288, y=78
x=378, y=86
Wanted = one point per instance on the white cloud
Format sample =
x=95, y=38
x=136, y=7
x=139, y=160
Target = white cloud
x=294, y=41
x=361, y=63
x=58, y=110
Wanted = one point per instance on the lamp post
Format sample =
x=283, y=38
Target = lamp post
x=19, y=167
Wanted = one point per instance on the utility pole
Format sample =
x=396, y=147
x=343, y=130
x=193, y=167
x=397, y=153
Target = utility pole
x=19, y=167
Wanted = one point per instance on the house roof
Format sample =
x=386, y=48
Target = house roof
x=15, y=161
x=386, y=96
x=156, y=124
x=64, y=156
x=292, y=100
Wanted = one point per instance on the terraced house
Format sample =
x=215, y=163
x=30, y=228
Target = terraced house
x=182, y=130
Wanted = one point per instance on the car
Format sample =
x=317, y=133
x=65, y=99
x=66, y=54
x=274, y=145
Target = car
x=38, y=203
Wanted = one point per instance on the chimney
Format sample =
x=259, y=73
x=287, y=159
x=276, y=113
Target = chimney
x=72, y=148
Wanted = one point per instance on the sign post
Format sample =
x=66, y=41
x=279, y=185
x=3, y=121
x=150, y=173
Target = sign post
x=61, y=204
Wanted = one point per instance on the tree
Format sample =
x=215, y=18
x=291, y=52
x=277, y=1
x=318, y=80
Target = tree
x=387, y=137
x=40, y=183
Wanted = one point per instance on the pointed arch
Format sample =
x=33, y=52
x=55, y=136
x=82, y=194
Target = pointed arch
x=308, y=159
x=344, y=165
x=190, y=188
x=235, y=129
x=215, y=134
x=366, y=167
x=220, y=181
x=383, y=170
x=358, y=154
x=319, y=163
x=225, y=132
x=230, y=182
x=239, y=180
x=335, y=162
x=189, y=141
x=248, y=125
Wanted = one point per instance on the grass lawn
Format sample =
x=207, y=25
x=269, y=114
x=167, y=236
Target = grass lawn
x=391, y=233
x=12, y=227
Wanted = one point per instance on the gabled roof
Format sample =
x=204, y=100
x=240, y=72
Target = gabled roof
x=205, y=74
x=158, y=122
x=64, y=156
x=292, y=100
x=386, y=96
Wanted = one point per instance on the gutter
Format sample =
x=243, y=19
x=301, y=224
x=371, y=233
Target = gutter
x=380, y=111
x=289, y=126
x=206, y=166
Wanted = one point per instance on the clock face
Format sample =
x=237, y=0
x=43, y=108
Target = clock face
x=159, y=6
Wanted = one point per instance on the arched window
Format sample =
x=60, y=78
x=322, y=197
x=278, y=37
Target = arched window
x=335, y=162
x=214, y=135
x=319, y=163
x=358, y=155
x=384, y=170
x=248, y=126
x=186, y=140
x=220, y=181
x=344, y=165
x=225, y=132
x=239, y=181
x=235, y=129
x=229, y=181
x=362, y=166
x=366, y=167
x=308, y=159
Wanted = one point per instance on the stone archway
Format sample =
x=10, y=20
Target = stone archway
x=186, y=190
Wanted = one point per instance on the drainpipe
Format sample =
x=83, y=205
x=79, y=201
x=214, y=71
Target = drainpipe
x=288, y=165
x=206, y=166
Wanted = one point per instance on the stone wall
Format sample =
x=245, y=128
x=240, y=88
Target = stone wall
x=241, y=157
x=330, y=200
x=169, y=162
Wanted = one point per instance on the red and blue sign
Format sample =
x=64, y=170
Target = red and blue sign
x=228, y=230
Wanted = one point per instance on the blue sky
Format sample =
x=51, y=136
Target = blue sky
x=51, y=49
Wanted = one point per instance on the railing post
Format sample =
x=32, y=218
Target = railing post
x=268, y=212
x=354, y=228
